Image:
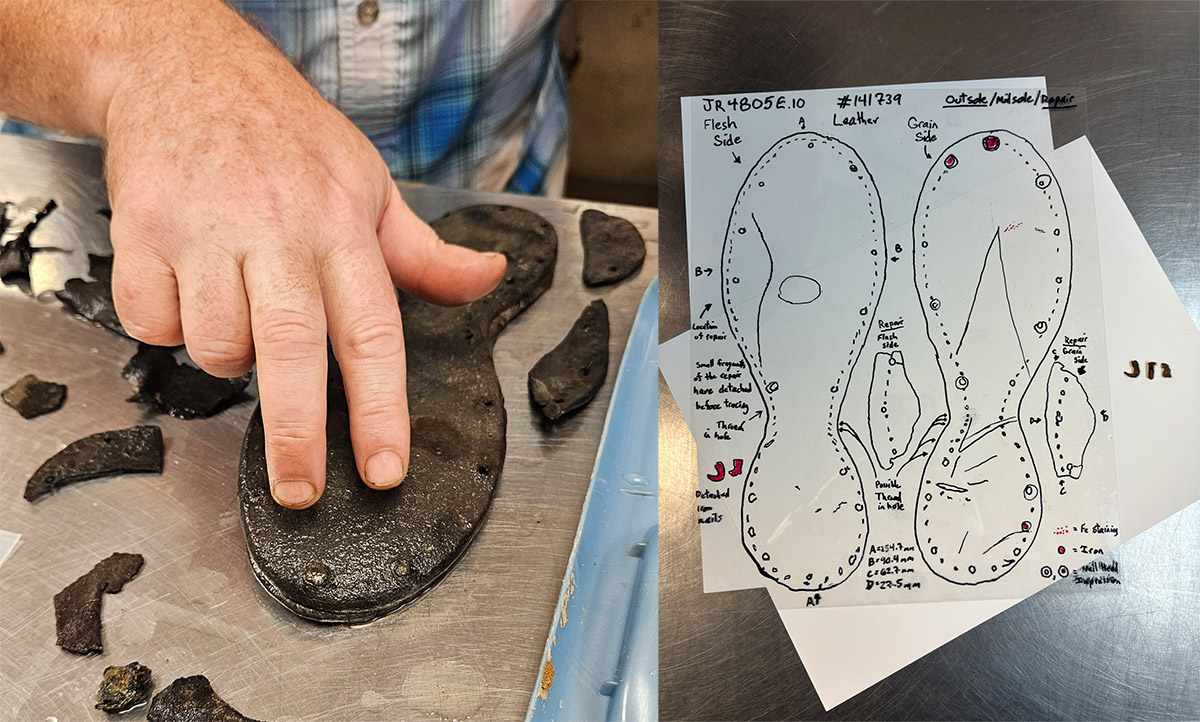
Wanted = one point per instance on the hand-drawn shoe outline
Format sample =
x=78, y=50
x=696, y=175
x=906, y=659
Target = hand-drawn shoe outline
x=991, y=332
x=803, y=513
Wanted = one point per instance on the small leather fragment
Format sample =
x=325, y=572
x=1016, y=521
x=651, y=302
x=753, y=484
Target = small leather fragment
x=31, y=396
x=124, y=688
x=108, y=453
x=181, y=390
x=77, y=608
x=93, y=300
x=192, y=699
x=613, y=249
x=568, y=377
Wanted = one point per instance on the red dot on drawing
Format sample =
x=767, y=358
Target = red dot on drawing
x=991, y=142
x=1024, y=526
x=1062, y=550
x=951, y=161
x=853, y=168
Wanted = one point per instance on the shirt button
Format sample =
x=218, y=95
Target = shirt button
x=368, y=12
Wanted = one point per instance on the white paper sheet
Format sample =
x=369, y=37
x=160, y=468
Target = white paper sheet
x=8, y=544
x=847, y=649
x=857, y=423
x=725, y=567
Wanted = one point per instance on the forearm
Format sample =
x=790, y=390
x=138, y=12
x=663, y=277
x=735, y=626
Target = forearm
x=67, y=64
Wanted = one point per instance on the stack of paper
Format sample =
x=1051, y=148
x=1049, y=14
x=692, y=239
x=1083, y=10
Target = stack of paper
x=914, y=401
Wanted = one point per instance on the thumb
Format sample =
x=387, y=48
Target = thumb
x=424, y=265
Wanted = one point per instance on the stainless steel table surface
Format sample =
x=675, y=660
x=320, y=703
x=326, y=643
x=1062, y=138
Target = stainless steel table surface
x=1121, y=656
x=469, y=649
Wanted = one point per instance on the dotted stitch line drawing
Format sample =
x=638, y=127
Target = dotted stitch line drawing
x=980, y=486
x=806, y=527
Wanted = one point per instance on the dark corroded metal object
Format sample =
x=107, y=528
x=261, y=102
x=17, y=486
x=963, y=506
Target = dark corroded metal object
x=612, y=248
x=192, y=699
x=181, y=390
x=77, y=608
x=108, y=453
x=124, y=688
x=569, y=376
x=17, y=253
x=31, y=396
x=358, y=554
x=15, y=257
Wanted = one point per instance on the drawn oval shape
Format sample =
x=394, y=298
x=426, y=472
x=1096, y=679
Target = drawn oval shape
x=799, y=290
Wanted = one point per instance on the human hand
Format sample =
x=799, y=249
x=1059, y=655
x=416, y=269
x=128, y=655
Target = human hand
x=250, y=219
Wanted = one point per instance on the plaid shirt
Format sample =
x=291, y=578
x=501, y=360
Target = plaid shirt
x=465, y=93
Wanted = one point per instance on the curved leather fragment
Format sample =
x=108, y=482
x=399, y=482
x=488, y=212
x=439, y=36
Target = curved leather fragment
x=568, y=377
x=108, y=453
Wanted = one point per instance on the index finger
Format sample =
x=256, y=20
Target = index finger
x=368, y=341
x=288, y=323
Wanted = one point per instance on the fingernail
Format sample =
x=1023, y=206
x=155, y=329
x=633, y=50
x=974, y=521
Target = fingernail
x=296, y=493
x=384, y=470
x=493, y=254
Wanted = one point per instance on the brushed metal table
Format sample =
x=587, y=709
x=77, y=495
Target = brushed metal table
x=1121, y=656
x=469, y=649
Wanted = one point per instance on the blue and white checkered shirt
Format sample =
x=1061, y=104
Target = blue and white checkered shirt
x=465, y=93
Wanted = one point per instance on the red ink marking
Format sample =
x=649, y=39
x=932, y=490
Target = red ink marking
x=991, y=142
x=719, y=474
x=1062, y=550
x=737, y=468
